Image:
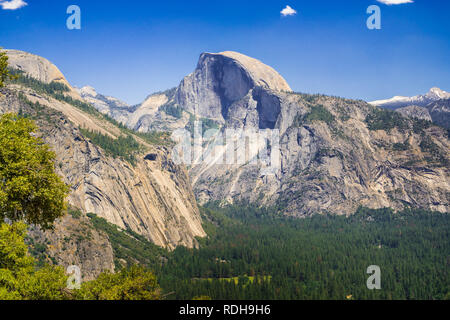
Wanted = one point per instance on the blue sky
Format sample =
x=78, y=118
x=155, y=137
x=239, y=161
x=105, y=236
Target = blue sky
x=131, y=49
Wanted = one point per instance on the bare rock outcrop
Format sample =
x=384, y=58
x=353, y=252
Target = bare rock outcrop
x=35, y=66
x=75, y=242
x=415, y=112
x=335, y=154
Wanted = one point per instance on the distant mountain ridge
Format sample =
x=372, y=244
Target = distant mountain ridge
x=434, y=105
x=435, y=94
x=104, y=104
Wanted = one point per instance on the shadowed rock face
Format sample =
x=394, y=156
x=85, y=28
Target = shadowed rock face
x=330, y=160
x=222, y=80
x=268, y=107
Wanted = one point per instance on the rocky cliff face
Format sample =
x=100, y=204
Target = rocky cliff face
x=440, y=112
x=332, y=162
x=75, y=242
x=35, y=66
x=38, y=68
x=153, y=197
x=223, y=79
x=220, y=82
x=415, y=112
x=335, y=154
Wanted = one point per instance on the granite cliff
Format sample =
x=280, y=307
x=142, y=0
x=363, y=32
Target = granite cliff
x=336, y=154
x=152, y=196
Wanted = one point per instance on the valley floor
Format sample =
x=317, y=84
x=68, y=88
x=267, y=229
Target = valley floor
x=255, y=254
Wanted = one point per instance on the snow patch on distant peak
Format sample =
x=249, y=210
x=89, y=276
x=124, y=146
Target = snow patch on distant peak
x=437, y=92
x=400, y=98
x=433, y=95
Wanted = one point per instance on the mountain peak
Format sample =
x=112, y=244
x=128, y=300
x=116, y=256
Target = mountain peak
x=433, y=95
x=222, y=80
x=261, y=74
x=436, y=89
x=35, y=66
x=102, y=103
x=88, y=90
x=438, y=93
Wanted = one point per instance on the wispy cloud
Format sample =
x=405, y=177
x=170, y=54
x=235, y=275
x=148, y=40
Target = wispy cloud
x=288, y=11
x=392, y=2
x=13, y=4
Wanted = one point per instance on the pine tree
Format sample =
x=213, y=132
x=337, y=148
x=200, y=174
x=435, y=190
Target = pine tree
x=4, y=71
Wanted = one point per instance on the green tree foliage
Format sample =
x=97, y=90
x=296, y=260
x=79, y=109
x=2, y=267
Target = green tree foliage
x=30, y=190
x=129, y=246
x=4, y=71
x=57, y=91
x=259, y=254
x=13, y=250
x=173, y=110
x=435, y=154
x=381, y=119
x=3, y=68
x=202, y=298
x=18, y=278
x=47, y=283
x=207, y=124
x=123, y=147
x=156, y=138
x=322, y=257
x=401, y=146
x=135, y=283
x=52, y=88
x=318, y=113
